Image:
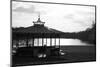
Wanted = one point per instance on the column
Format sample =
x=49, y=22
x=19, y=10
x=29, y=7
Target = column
x=50, y=41
x=59, y=42
x=55, y=42
x=42, y=42
x=46, y=41
x=27, y=41
x=33, y=42
x=37, y=41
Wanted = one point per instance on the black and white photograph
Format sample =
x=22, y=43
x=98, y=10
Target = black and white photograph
x=52, y=33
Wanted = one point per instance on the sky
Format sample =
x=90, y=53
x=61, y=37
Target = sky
x=66, y=18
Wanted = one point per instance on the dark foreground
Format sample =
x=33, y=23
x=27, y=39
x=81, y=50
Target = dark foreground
x=73, y=54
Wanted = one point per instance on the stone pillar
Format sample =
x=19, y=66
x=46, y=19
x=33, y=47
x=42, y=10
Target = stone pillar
x=55, y=42
x=50, y=41
x=42, y=41
x=27, y=41
x=33, y=42
x=37, y=41
x=59, y=43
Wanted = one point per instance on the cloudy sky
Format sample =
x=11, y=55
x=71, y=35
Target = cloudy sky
x=66, y=18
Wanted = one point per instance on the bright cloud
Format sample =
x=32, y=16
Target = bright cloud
x=67, y=18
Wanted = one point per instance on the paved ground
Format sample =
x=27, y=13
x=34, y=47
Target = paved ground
x=70, y=57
